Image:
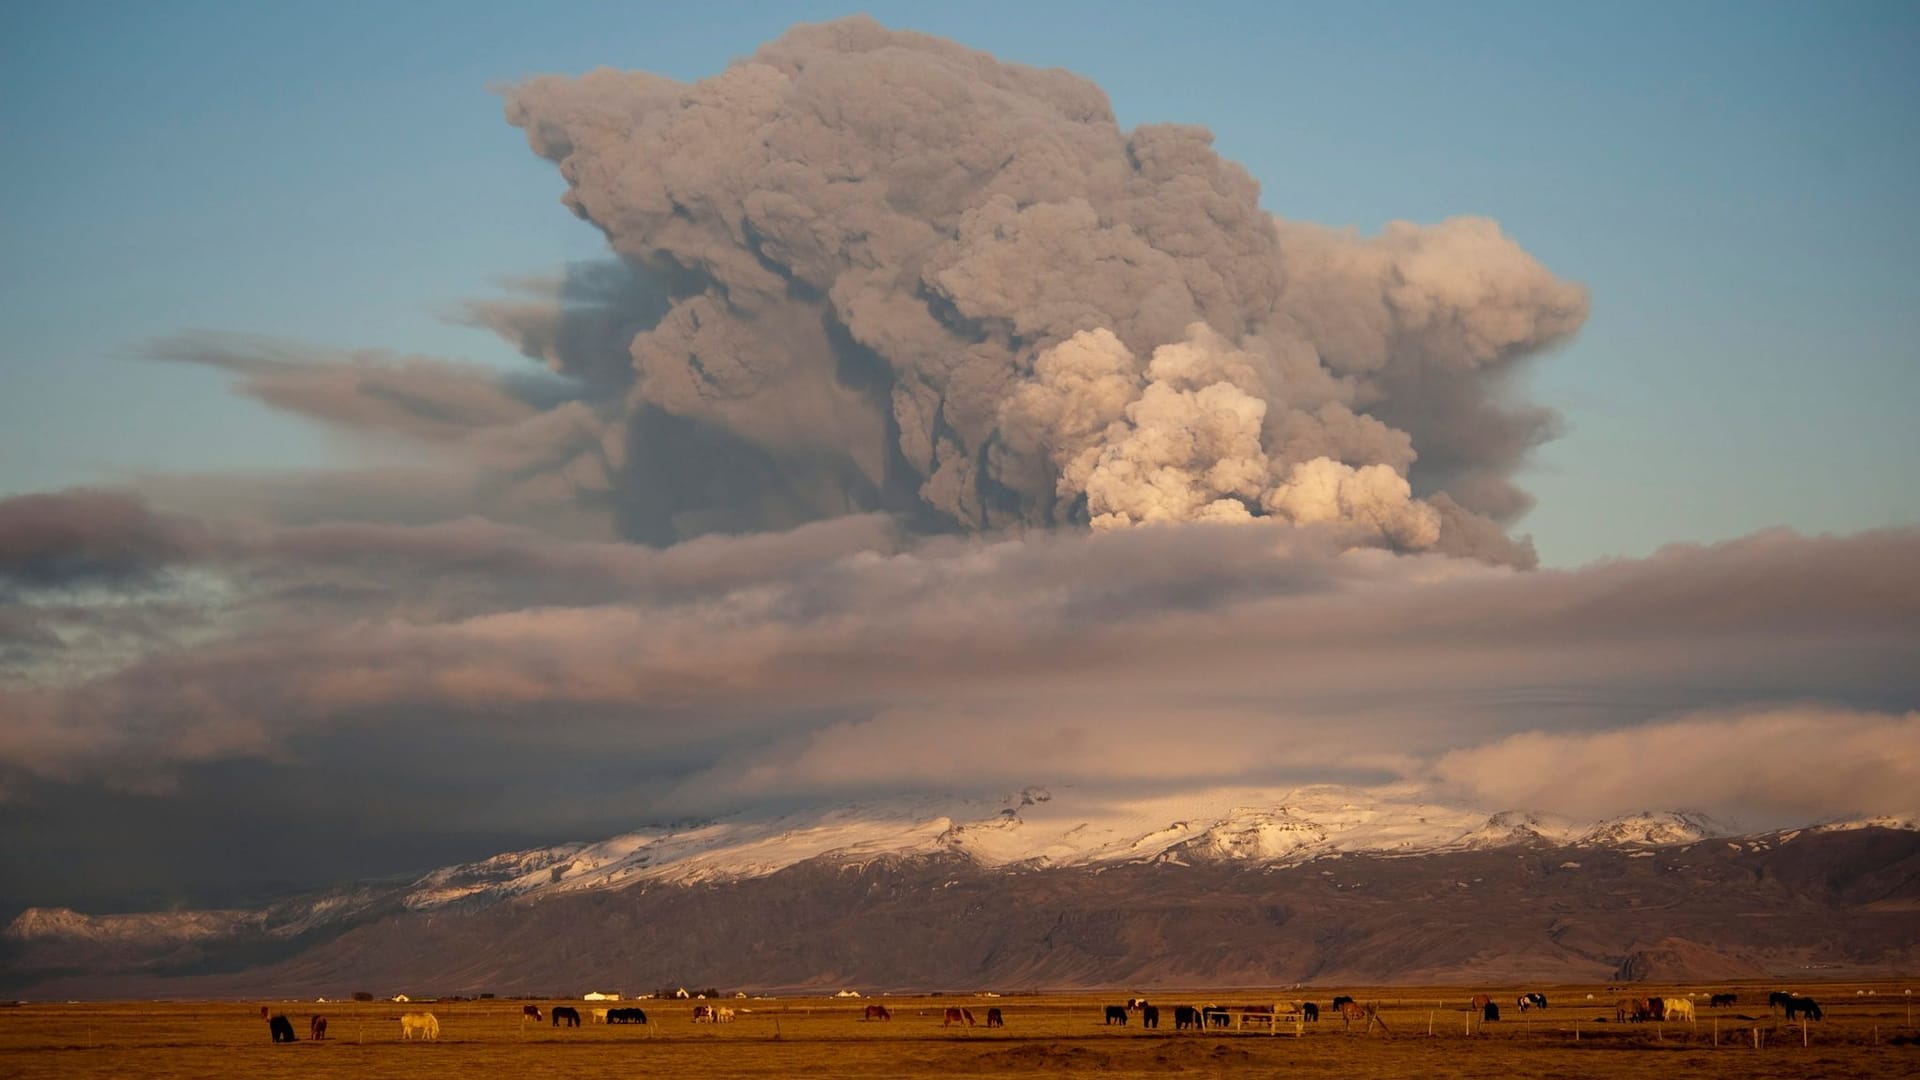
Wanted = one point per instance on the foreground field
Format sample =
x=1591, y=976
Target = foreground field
x=1862, y=1035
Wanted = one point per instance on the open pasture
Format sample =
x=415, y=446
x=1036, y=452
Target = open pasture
x=1044, y=1034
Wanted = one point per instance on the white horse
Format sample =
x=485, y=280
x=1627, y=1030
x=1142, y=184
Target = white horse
x=1679, y=1009
x=722, y=1015
x=421, y=1024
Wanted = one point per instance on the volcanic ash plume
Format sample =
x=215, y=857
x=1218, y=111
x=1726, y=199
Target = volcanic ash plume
x=902, y=275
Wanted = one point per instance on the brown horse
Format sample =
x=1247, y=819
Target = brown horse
x=531, y=1012
x=317, y=1028
x=877, y=1012
x=1633, y=1010
x=958, y=1016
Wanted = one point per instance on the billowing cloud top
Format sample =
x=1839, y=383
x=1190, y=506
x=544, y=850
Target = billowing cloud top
x=903, y=275
x=832, y=486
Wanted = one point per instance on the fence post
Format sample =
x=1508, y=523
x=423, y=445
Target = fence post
x=1803, y=1029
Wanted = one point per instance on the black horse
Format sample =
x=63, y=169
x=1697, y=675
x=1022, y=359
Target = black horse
x=565, y=1012
x=1802, y=1006
x=1117, y=1014
x=281, y=1028
x=1150, y=1016
x=1310, y=1012
x=626, y=1016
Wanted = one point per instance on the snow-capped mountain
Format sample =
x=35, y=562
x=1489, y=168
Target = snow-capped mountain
x=1030, y=830
x=1079, y=855
x=1034, y=829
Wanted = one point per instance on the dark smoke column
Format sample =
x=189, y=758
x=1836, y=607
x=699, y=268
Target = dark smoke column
x=906, y=276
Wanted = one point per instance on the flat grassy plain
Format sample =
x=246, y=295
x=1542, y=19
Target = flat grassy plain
x=1045, y=1035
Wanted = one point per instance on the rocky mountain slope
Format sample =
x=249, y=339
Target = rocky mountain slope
x=1321, y=886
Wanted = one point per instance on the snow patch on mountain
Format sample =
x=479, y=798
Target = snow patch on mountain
x=1652, y=829
x=1510, y=827
x=1883, y=821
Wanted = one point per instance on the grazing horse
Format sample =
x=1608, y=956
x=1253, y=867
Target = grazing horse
x=1718, y=1000
x=531, y=1012
x=597, y=1016
x=1338, y=1001
x=1657, y=1008
x=1186, y=1016
x=1149, y=1016
x=1778, y=998
x=281, y=1029
x=958, y=1016
x=994, y=1019
x=1310, y=1012
x=877, y=1012
x=1218, y=1016
x=317, y=1028
x=1531, y=1001
x=626, y=1016
x=1480, y=1001
x=424, y=1025
x=723, y=1015
x=1136, y=1004
x=1679, y=1009
x=1804, y=1005
x=1116, y=1014
x=566, y=1013
x=703, y=1014
x=1489, y=1013
x=1351, y=1010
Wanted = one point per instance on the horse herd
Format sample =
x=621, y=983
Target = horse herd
x=1652, y=1009
x=1199, y=1017
x=427, y=1026
x=1185, y=1017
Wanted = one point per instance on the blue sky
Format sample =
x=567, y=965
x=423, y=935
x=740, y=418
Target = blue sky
x=1734, y=183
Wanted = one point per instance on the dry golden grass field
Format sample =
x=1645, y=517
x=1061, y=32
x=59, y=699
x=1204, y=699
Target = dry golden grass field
x=1045, y=1035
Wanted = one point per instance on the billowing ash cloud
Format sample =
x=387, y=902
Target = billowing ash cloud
x=901, y=275
x=897, y=346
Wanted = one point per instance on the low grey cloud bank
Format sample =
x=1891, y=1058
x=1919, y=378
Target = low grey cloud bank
x=1777, y=766
x=869, y=660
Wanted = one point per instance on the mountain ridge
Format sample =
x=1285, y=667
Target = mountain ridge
x=1363, y=872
